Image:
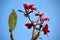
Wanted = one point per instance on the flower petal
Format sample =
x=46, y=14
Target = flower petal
x=45, y=29
x=37, y=14
x=33, y=9
x=41, y=15
x=25, y=6
x=28, y=25
x=45, y=19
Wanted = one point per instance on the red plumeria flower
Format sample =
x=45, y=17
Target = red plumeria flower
x=44, y=19
x=26, y=6
x=40, y=15
x=45, y=29
x=29, y=25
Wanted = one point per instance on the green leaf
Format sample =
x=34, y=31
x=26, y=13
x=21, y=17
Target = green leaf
x=12, y=20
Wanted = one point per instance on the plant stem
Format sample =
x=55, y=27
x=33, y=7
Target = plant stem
x=33, y=28
x=11, y=35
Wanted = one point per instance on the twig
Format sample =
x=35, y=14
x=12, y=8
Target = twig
x=11, y=35
x=21, y=11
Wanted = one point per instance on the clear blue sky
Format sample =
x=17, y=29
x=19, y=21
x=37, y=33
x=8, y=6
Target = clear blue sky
x=51, y=8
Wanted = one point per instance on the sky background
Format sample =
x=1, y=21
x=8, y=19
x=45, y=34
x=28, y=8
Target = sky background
x=51, y=9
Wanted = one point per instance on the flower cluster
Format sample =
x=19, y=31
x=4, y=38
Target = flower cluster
x=29, y=9
x=41, y=17
x=45, y=28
